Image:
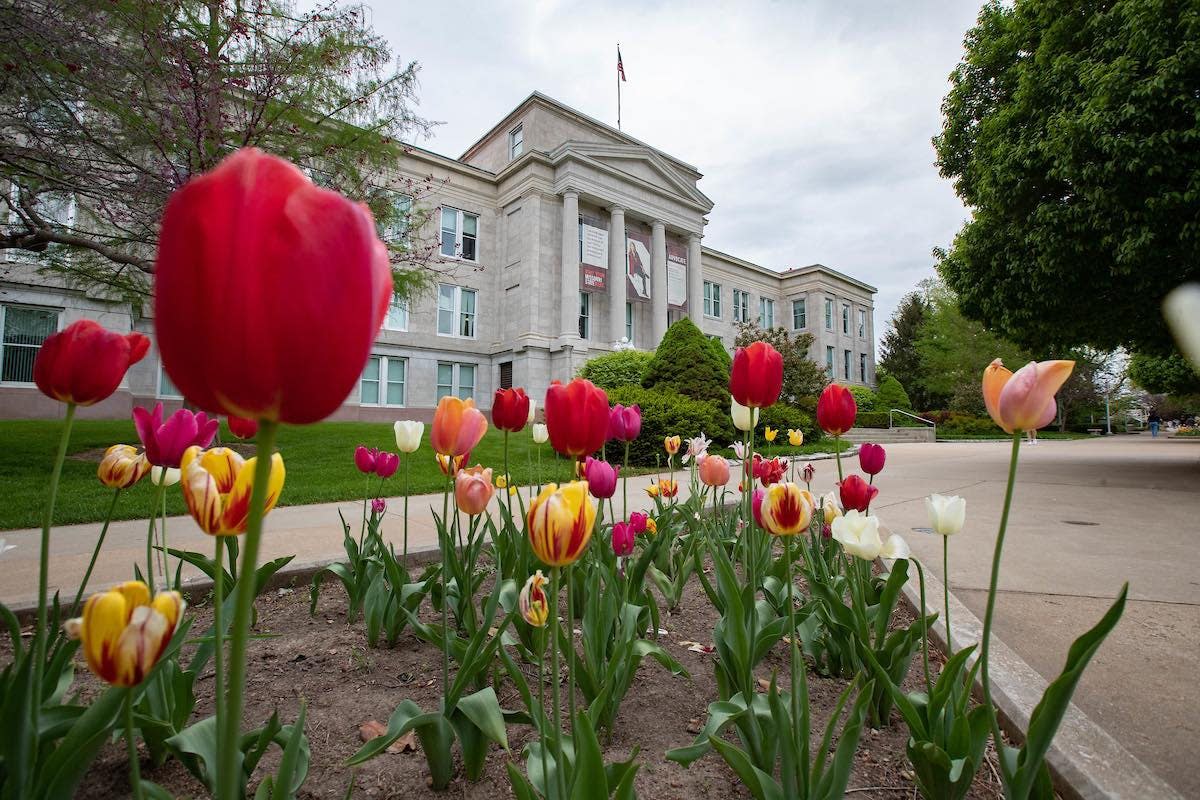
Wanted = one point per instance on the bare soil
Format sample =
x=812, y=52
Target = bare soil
x=325, y=662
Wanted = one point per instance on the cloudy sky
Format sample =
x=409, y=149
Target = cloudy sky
x=811, y=121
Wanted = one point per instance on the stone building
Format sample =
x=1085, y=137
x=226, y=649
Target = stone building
x=558, y=239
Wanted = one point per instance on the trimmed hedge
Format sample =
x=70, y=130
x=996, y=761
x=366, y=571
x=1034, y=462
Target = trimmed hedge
x=614, y=370
x=667, y=413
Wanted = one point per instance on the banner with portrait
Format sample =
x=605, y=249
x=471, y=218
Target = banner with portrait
x=639, y=263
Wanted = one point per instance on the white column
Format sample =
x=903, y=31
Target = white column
x=570, y=265
x=695, y=281
x=658, y=281
x=616, y=274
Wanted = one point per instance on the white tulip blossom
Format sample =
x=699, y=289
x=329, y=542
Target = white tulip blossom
x=540, y=433
x=1182, y=310
x=532, y=412
x=697, y=447
x=164, y=476
x=744, y=417
x=946, y=514
x=831, y=509
x=859, y=536
x=408, y=435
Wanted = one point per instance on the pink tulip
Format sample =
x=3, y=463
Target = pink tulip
x=624, y=422
x=378, y=505
x=714, y=471
x=637, y=521
x=756, y=501
x=365, y=458
x=871, y=458
x=166, y=442
x=601, y=478
x=622, y=538
x=386, y=464
x=473, y=489
x=1024, y=400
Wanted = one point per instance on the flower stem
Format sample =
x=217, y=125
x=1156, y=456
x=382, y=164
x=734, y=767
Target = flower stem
x=230, y=732
x=542, y=712
x=166, y=561
x=837, y=454
x=407, y=490
x=946, y=592
x=559, y=771
x=135, y=768
x=792, y=650
x=571, y=641
x=443, y=537
x=991, y=601
x=39, y=661
x=95, y=553
x=219, y=630
x=151, y=532
x=625, y=485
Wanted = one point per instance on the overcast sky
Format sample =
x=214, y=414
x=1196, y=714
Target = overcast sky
x=811, y=121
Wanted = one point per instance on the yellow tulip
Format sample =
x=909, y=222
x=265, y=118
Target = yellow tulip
x=217, y=484
x=671, y=445
x=651, y=525
x=122, y=466
x=124, y=633
x=769, y=433
x=795, y=437
x=560, y=522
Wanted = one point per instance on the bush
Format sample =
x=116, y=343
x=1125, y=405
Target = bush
x=871, y=419
x=891, y=395
x=614, y=370
x=687, y=362
x=783, y=417
x=955, y=423
x=667, y=413
x=864, y=397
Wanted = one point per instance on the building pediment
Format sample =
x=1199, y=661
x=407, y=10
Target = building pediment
x=635, y=163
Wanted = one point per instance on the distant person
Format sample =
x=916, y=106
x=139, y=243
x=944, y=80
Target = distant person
x=1155, y=421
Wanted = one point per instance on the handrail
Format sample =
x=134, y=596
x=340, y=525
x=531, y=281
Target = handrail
x=928, y=422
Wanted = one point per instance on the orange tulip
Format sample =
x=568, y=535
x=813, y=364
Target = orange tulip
x=786, y=509
x=457, y=426
x=560, y=522
x=473, y=489
x=1024, y=400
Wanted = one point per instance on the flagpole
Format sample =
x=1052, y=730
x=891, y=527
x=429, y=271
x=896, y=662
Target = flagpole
x=618, y=87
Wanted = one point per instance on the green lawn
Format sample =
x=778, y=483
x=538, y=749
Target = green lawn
x=319, y=459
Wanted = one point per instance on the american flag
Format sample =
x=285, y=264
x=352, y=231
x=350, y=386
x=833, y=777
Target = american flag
x=620, y=65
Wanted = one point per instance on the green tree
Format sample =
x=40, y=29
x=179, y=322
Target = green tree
x=1070, y=132
x=616, y=369
x=1164, y=374
x=891, y=395
x=106, y=108
x=802, y=377
x=898, y=354
x=686, y=363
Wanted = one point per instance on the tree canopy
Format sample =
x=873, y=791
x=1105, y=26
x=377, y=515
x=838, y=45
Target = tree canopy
x=1071, y=132
x=898, y=356
x=106, y=108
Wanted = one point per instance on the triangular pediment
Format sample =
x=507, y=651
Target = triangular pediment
x=640, y=163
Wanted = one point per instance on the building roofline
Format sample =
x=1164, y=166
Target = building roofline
x=795, y=271
x=536, y=96
x=429, y=155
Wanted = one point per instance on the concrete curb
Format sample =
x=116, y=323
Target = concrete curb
x=1087, y=763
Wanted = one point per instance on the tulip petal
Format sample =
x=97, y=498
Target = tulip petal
x=994, y=379
x=139, y=645
x=104, y=617
x=895, y=547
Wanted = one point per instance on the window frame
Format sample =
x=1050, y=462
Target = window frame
x=862, y=367
x=399, y=305
x=801, y=304
x=741, y=306
x=459, y=225
x=516, y=142
x=712, y=299
x=766, y=312
x=846, y=355
x=399, y=229
x=585, y=316
x=828, y=313
x=456, y=384
x=845, y=319
x=159, y=392
x=58, y=326
x=383, y=381
x=629, y=321
x=862, y=323
x=830, y=369
x=457, y=315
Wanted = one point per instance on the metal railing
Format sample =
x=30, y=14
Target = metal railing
x=928, y=422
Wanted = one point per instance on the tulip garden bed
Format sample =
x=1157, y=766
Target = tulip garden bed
x=325, y=661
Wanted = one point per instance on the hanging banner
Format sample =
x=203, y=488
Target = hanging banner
x=639, y=263
x=677, y=264
x=593, y=262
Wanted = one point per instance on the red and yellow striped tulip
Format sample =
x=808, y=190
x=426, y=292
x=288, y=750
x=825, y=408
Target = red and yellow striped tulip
x=534, y=605
x=560, y=522
x=217, y=484
x=124, y=633
x=122, y=466
x=786, y=509
x=671, y=445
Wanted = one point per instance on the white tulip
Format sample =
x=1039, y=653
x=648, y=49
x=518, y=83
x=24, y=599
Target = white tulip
x=1182, y=310
x=164, y=476
x=408, y=435
x=540, y=433
x=831, y=509
x=744, y=418
x=532, y=411
x=946, y=514
x=858, y=534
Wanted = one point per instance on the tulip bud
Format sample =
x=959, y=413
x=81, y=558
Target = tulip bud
x=601, y=478
x=510, y=409
x=533, y=603
x=540, y=433
x=241, y=427
x=769, y=433
x=856, y=493
x=671, y=445
x=744, y=417
x=836, y=409
x=756, y=376
x=408, y=435
x=871, y=458
x=946, y=514
x=84, y=363
x=795, y=437
x=473, y=489
x=560, y=521
x=859, y=536
x=457, y=426
x=386, y=464
x=378, y=506
x=365, y=458
x=714, y=471
x=622, y=538
x=164, y=476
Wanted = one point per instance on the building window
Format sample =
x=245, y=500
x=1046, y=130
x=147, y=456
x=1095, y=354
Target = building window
x=846, y=320
x=395, y=231
x=629, y=322
x=167, y=389
x=712, y=299
x=828, y=314
x=862, y=324
x=741, y=306
x=799, y=314
x=455, y=379
x=460, y=232
x=846, y=364
x=24, y=331
x=516, y=142
x=506, y=374
x=766, y=312
x=829, y=361
x=456, y=311
x=397, y=316
x=585, y=315
x=862, y=367
x=383, y=381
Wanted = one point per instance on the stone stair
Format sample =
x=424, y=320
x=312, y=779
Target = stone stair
x=889, y=435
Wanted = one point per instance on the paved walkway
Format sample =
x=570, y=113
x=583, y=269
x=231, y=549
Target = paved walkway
x=1087, y=516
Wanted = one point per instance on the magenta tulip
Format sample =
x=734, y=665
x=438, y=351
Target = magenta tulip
x=622, y=538
x=386, y=464
x=624, y=422
x=871, y=458
x=601, y=478
x=365, y=458
x=165, y=442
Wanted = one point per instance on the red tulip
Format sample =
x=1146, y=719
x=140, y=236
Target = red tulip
x=756, y=501
x=768, y=470
x=624, y=422
x=365, y=458
x=165, y=442
x=856, y=493
x=84, y=363
x=269, y=291
x=871, y=458
x=601, y=478
x=242, y=428
x=622, y=538
x=757, y=375
x=577, y=417
x=386, y=464
x=836, y=409
x=510, y=409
